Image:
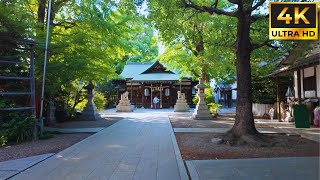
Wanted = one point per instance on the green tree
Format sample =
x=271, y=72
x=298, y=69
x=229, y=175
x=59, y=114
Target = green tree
x=239, y=26
x=189, y=42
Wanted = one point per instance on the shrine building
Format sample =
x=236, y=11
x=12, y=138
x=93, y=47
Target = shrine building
x=145, y=80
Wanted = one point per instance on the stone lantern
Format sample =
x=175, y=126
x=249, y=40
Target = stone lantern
x=90, y=111
x=201, y=112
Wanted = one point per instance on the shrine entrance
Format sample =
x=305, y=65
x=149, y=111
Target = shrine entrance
x=146, y=80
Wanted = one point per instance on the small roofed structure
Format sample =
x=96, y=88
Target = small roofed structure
x=145, y=80
x=303, y=63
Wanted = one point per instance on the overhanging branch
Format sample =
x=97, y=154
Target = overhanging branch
x=256, y=6
x=265, y=43
x=210, y=10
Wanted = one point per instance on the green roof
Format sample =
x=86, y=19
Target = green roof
x=138, y=72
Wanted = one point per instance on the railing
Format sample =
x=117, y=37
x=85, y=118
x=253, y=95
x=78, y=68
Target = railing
x=30, y=78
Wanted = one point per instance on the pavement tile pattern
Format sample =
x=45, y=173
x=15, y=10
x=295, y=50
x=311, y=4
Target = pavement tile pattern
x=139, y=147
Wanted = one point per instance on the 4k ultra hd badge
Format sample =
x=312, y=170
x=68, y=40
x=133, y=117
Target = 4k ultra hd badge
x=293, y=21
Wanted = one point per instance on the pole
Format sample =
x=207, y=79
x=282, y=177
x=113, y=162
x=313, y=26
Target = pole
x=33, y=97
x=278, y=99
x=45, y=65
x=161, y=96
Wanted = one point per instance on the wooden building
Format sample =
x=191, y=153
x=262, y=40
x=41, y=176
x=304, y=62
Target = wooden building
x=304, y=66
x=145, y=80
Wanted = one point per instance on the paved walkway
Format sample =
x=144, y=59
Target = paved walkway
x=140, y=147
x=13, y=167
x=293, y=168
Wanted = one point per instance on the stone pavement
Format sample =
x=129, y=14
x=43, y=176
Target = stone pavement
x=293, y=168
x=140, y=147
x=13, y=167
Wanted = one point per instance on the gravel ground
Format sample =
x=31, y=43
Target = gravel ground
x=199, y=146
x=56, y=144
x=53, y=145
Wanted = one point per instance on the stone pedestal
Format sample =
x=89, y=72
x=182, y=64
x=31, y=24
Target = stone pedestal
x=124, y=103
x=52, y=117
x=201, y=112
x=90, y=112
x=181, y=105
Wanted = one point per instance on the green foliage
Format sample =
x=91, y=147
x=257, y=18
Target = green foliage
x=18, y=128
x=47, y=135
x=99, y=100
x=3, y=138
x=184, y=31
x=213, y=107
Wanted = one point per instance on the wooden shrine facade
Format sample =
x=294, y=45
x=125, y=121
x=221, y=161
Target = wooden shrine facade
x=146, y=80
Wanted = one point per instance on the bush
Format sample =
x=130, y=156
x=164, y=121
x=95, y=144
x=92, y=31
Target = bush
x=47, y=135
x=18, y=128
x=99, y=100
x=213, y=107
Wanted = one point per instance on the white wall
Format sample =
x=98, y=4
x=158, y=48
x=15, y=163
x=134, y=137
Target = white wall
x=261, y=109
x=234, y=92
x=318, y=81
x=307, y=73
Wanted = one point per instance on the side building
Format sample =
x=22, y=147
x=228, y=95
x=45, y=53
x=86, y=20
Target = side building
x=303, y=64
x=145, y=80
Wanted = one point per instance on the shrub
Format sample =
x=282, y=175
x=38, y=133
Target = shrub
x=47, y=135
x=18, y=128
x=99, y=100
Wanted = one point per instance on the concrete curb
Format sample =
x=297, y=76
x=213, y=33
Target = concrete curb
x=192, y=170
x=181, y=167
x=224, y=130
x=74, y=130
x=16, y=169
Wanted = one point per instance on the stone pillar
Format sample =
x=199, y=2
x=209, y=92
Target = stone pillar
x=201, y=112
x=52, y=117
x=90, y=112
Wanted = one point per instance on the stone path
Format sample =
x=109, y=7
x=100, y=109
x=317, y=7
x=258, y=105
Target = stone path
x=12, y=167
x=293, y=168
x=140, y=147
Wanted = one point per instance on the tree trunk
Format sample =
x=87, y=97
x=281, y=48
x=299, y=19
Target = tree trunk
x=41, y=12
x=243, y=130
x=244, y=123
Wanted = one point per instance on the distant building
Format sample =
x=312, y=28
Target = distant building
x=145, y=80
x=226, y=95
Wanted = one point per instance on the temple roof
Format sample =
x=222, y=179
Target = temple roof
x=148, y=72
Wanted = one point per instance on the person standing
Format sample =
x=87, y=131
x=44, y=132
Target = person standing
x=155, y=102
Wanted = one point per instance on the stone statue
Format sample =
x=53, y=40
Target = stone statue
x=124, y=103
x=181, y=104
x=181, y=95
x=271, y=113
x=125, y=95
x=288, y=116
x=282, y=111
